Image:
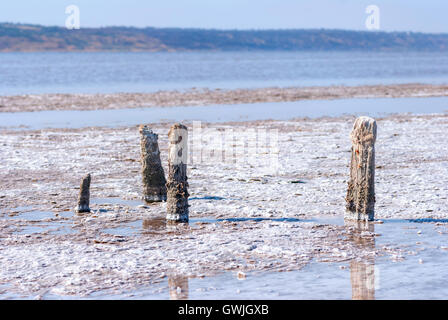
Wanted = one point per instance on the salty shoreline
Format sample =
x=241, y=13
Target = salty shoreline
x=55, y=159
x=123, y=245
x=203, y=97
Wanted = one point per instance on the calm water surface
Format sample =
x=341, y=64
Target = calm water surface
x=419, y=274
x=24, y=73
x=222, y=113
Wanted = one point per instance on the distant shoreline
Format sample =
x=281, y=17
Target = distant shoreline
x=203, y=97
x=37, y=38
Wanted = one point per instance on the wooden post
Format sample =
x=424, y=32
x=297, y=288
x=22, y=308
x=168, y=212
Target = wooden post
x=361, y=186
x=84, y=195
x=154, y=189
x=177, y=185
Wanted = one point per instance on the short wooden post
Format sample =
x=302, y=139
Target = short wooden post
x=177, y=185
x=154, y=182
x=84, y=195
x=361, y=186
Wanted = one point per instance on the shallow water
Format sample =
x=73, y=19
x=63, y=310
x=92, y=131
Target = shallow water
x=51, y=72
x=34, y=215
x=28, y=214
x=223, y=113
x=420, y=274
x=159, y=225
x=104, y=201
x=56, y=228
x=34, y=221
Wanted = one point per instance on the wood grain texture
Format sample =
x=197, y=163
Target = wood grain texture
x=361, y=186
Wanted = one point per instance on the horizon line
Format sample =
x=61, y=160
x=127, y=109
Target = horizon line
x=223, y=29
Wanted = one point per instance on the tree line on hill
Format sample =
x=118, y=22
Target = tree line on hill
x=25, y=37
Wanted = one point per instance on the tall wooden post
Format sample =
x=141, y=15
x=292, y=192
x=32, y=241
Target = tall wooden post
x=84, y=195
x=361, y=186
x=177, y=185
x=154, y=189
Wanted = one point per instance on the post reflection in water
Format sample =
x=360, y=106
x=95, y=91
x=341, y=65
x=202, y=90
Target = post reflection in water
x=362, y=273
x=178, y=286
x=154, y=225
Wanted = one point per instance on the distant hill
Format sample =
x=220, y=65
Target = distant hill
x=24, y=37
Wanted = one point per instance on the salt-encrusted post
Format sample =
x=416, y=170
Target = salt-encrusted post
x=84, y=195
x=361, y=186
x=177, y=185
x=154, y=189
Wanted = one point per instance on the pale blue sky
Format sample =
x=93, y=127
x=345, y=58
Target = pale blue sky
x=396, y=15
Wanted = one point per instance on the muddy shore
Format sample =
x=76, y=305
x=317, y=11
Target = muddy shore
x=201, y=97
x=69, y=254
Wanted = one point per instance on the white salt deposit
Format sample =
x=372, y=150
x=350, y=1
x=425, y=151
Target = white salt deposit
x=123, y=245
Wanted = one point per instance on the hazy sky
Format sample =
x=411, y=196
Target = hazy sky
x=396, y=15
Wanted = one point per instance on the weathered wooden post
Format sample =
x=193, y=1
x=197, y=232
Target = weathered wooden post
x=154, y=189
x=361, y=186
x=177, y=185
x=84, y=195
